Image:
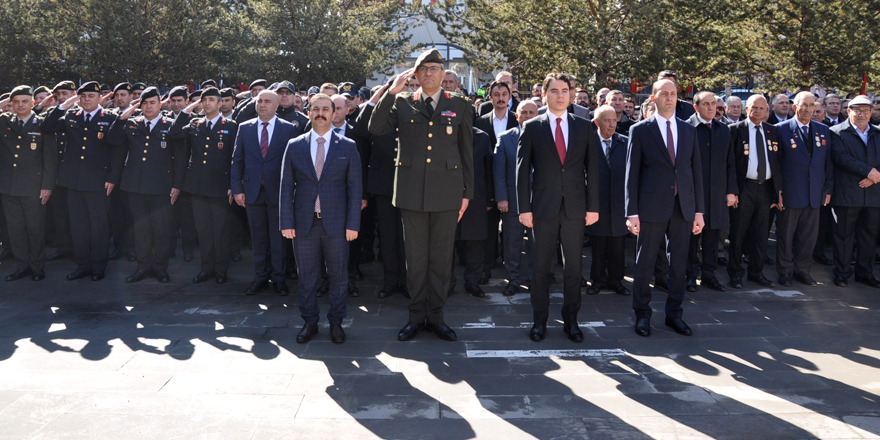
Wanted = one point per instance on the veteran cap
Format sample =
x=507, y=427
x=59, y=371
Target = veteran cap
x=313, y=90
x=860, y=100
x=286, y=85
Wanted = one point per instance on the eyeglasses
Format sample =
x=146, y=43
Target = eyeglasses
x=433, y=69
x=863, y=112
x=284, y=92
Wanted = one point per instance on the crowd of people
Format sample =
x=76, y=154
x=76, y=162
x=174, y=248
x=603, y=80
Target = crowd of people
x=317, y=179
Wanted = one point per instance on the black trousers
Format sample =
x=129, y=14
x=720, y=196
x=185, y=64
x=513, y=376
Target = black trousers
x=269, y=257
x=59, y=215
x=676, y=233
x=89, y=228
x=211, y=216
x=570, y=232
x=152, y=222
x=608, y=260
x=855, y=224
x=825, y=231
x=428, y=238
x=25, y=220
x=796, y=232
x=709, y=253
x=239, y=231
x=366, y=237
x=391, y=242
x=120, y=220
x=490, y=246
x=475, y=250
x=182, y=221
x=749, y=229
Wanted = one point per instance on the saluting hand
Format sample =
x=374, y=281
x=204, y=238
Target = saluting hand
x=70, y=102
x=46, y=102
x=130, y=110
x=192, y=106
x=106, y=99
x=400, y=81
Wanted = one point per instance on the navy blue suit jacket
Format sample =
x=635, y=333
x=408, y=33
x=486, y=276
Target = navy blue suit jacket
x=805, y=180
x=340, y=187
x=504, y=167
x=612, y=212
x=651, y=177
x=250, y=168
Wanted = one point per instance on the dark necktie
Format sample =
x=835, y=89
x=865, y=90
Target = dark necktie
x=148, y=126
x=560, y=140
x=808, y=141
x=670, y=147
x=337, y=130
x=210, y=125
x=20, y=125
x=429, y=105
x=759, y=151
x=88, y=117
x=607, y=143
x=264, y=140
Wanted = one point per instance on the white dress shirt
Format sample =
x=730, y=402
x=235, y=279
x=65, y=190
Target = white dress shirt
x=341, y=129
x=155, y=121
x=313, y=144
x=499, y=125
x=606, y=147
x=213, y=122
x=270, y=128
x=661, y=121
x=563, y=124
x=754, y=151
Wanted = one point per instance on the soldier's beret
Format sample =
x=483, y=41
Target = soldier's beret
x=138, y=86
x=91, y=86
x=178, y=91
x=195, y=95
x=19, y=91
x=208, y=83
x=41, y=89
x=210, y=91
x=105, y=86
x=4, y=96
x=64, y=85
x=429, y=56
x=857, y=101
x=227, y=93
x=348, y=89
x=258, y=83
x=150, y=92
x=122, y=86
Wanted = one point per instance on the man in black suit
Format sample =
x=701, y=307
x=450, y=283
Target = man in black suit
x=488, y=106
x=833, y=114
x=781, y=105
x=719, y=191
x=557, y=149
x=759, y=180
x=683, y=110
x=607, y=235
x=664, y=201
x=616, y=101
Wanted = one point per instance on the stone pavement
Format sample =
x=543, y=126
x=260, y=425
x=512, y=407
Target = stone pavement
x=107, y=360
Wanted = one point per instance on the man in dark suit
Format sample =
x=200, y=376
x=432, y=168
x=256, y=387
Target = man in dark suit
x=607, y=235
x=489, y=106
x=855, y=151
x=664, y=201
x=519, y=269
x=320, y=211
x=434, y=182
x=719, y=191
x=683, y=110
x=207, y=180
x=28, y=165
x=255, y=179
x=780, y=107
x=807, y=176
x=615, y=99
x=557, y=151
x=759, y=180
x=90, y=168
x=152, y=178
x=833, y=113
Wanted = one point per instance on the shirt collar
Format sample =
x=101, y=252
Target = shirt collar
x=92, y=113
x=27, y=119
x=435, y=96
x=270, y=121
x=495, y=116
x=214, y=121
x=703, y=121
x=314, y=136
x=801, y=126
x=155, y=121
x=860, y=132
x=603, y=139
x=751, y=124
x=662, y=121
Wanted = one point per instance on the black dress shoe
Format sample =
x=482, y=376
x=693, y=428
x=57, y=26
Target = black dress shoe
x=823, y=260
x=221, y=278
x=594, y=289
x=58, y=255
x=620, y=289
x=573, y=332
x=77, y=274
x=138, y=275
x=840, y=281
x=868, y=280
x=736, y=283
x=761, y=280
x=538, y=332
x=679, y=326
x=97, y=275
x=405, y=291
x=337, y=334
x=409, y=331
x=806, y=279
x=353, y=290
x=643, y=327
x=162, y=276
x=691, y=285
x=386, y=291
x=188, y=256
x=475, y=290
x=18, y=274
x=785, y=281
x=722, y=261
x=511, y=289
x=484, y=278
x=661, y=284
x=115, y=255
x=306, y=333
x=256, y=287
x=38, y=275
x=714, y=284
x=131, y=257
x=281, y=288
x=235, y=257
x=444, y=332
x=324, y=288
x=202, y=277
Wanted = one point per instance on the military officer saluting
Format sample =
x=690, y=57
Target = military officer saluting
x=28, y=163
x=434, y=181
x=90, y=169
x=136, y=90
x=57, y=211
x=211, y=139
x=152, y=176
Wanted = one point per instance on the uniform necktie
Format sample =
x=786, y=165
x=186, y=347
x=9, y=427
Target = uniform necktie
x=319, y=167
x=759, y=150
x=670, y=147
x=607, y=143
x=210, y=125
x=560, y=140
x=88, y=117
x=20, y=125
x=148, y=126
x=429, y=101
x=264, y=140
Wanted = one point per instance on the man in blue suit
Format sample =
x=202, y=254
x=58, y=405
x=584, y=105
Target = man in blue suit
x=805, y=153
x=664, y=201
x=255, y=179
x=504, y=173
x=323, y=171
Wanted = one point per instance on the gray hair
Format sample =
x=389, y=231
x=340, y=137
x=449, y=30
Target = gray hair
x=732, y=98
x=776, y=98
x=603, y=109
x=829, y=96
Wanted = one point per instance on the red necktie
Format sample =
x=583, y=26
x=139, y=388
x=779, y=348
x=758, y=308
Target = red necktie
x=670, y=147
x=560, y=140
x=264, y=140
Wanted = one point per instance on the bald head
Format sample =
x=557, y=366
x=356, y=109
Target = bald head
x=664, y=93
x=267, y=104
x=757, y=108
x=527, y=109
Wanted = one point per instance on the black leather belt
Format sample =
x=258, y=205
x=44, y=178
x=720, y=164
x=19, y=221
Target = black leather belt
x=756, y=181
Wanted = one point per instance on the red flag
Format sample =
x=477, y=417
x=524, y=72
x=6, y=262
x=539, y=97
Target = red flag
x=864, y=83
